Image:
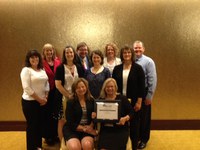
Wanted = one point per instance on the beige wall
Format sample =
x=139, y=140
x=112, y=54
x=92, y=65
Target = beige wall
x=169, y=29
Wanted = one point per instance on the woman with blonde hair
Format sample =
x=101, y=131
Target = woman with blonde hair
x=111, y=60
x=114, y=136
x=49, y=124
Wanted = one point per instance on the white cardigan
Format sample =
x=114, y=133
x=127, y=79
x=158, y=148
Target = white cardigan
x=111, y=66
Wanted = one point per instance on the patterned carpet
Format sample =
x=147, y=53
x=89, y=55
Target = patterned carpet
x=160, y=140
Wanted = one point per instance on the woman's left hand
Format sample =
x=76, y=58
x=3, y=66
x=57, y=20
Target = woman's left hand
x=94, y=115
x=137, y=106
x=122, y=121
x=89, y=129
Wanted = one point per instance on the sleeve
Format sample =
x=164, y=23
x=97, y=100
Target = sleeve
x=151, y=79
x=127, y=107
x=108, y=74
x=141, y=82
x=26, y=81
x=47, y=87
x=90, y=109
x=114, y=73
x=70, y=116
x=58, y=75
x=86, y=74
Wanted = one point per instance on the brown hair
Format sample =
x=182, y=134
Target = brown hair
x=74, y=86
x=99, y=53
x=127, y=47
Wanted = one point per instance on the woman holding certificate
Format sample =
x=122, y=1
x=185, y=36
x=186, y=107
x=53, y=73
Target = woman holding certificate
x=78, y=131
x=131, y=83
x=114, y=136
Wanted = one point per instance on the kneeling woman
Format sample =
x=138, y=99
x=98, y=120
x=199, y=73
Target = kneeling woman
x=78, y=131
x=115, y=136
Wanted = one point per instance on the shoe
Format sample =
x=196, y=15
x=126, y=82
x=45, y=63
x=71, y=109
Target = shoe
x=56, y=140
x=50, y=141
x=141, y=145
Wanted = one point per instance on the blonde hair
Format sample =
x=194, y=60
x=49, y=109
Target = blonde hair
x=103, y=92
x=114, y=46
x=48, y=46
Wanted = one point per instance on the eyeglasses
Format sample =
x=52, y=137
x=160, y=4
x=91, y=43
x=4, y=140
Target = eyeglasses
x=83, y=49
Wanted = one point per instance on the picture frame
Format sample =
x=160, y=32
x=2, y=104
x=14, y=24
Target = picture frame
x=107, y=111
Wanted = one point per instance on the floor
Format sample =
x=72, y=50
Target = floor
x=160, y=140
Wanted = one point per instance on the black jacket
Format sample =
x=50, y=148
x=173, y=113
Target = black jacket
x=135, y=83
x=74, y=113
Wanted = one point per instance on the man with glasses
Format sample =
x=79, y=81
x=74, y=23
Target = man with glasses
x=149, y=68
x=82, y=60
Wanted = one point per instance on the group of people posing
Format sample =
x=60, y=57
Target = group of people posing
x=59, y=96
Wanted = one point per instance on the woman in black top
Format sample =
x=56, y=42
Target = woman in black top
x=131, y=83
x=78, y=131
x=114, y=136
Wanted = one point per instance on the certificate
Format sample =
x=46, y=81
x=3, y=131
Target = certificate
x=107, y=110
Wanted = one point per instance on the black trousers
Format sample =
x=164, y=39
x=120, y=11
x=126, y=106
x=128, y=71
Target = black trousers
x=49, y=124
x=32, y=113
x=145, y=123
x=134, y=130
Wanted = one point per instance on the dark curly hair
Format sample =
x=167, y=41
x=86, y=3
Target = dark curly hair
x=31, y=53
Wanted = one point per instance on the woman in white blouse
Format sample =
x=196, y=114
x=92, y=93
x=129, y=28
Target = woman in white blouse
x=35, y=93
x=111, y=60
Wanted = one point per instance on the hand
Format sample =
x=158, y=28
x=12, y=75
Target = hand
x=89, y=129
x=122, y=121
x=147, y=102
x=137, y=106
x=94, y=115
x=43, y=101
x=70, y=96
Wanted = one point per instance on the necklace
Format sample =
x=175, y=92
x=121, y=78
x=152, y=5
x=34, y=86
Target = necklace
x=70, y=67
x=95, y=70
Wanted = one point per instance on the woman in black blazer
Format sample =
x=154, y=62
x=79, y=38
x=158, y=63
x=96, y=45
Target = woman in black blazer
x=114, y=136
x=131, y=83
x=78, y=131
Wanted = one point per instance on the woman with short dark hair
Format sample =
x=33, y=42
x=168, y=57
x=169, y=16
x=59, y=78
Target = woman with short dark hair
x=97, y=74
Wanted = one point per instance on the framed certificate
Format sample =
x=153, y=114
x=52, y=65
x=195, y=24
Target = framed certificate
x=107, y=111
